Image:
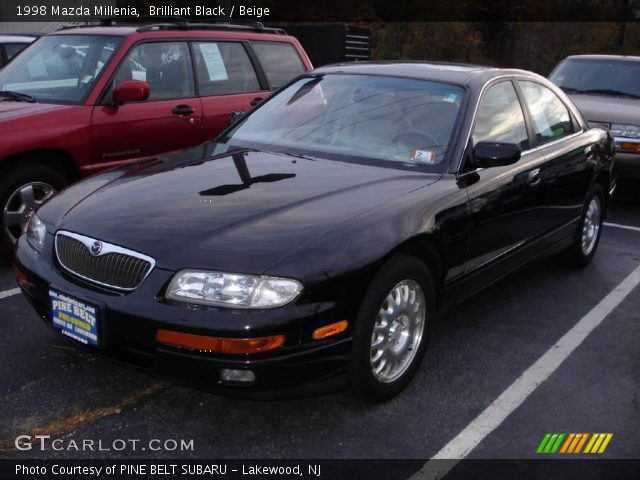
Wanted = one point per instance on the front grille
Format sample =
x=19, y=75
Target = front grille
x=113, y=266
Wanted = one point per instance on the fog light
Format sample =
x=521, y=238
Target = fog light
x=230, y=375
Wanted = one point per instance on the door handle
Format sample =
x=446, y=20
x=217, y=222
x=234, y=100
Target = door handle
x=256, y=101
x=534, y=177
x=183, y=110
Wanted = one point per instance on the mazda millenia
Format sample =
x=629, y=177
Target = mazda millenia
x=317, y=239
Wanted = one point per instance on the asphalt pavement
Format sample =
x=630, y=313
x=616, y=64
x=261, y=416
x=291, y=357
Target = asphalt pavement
x=48, y=386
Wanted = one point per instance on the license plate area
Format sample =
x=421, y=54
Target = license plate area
x=75, y=318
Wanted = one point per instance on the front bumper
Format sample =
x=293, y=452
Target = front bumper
x=128, y=325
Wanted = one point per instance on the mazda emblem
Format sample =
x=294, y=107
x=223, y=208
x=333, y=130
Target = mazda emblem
x=96, y=248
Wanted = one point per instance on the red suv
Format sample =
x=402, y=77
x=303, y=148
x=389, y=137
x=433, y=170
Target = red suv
x=85, y=99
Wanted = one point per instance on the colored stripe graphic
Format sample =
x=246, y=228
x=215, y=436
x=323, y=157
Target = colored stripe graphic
x=598, y=442
x=543, y=443
x=573, y=443
x=567, y=443
x=582, y=440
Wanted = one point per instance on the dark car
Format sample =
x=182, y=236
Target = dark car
x=606, y=89
x=11, y=45
x=322, y=233
x=90, y=98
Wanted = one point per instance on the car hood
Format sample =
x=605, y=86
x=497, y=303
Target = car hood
x=10, y=110
x=608, y=108
x=252, y=205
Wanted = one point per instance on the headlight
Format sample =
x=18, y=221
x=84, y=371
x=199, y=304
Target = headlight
x=232, y=290
x=36, y=232
x=627, y=131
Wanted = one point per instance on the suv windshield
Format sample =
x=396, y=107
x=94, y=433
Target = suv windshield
x=608, y=77
x=405, y=121
x=59, y=68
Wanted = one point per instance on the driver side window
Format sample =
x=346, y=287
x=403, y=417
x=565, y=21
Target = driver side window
x=500, y=118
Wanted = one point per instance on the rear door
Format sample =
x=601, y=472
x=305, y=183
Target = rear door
x=170, y=119
x=228, y=82
x=567, y=173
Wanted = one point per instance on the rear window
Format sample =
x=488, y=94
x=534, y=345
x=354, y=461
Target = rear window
x=614, y=77
x=280, y=62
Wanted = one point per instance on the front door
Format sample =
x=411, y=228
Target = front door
x=505, y=203
x=170, y=119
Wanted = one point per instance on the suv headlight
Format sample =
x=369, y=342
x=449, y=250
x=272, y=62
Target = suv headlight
x=627, y=131
x=36, y=233
x=232, y=290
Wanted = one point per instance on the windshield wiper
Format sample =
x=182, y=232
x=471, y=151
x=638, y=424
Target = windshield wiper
x=18, y=97
x=571, y=90
x=608, y=91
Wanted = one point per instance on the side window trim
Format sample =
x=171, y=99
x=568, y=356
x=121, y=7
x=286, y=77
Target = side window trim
x=488, y=86
x=257, y=66
x=578, y=128
x=266, y=77
x=528, y=118
x=104, y=100
x=196, y=80
x=257, y=70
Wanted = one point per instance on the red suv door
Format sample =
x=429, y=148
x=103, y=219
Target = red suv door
x=227, y=82
x=172, y=117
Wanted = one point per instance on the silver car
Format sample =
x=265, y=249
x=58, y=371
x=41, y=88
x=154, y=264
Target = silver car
x=606, y=89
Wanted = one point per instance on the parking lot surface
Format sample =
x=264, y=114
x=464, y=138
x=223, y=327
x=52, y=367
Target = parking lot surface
x=49, y=386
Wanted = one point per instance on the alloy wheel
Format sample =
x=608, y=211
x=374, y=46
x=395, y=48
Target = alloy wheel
x=397, y=331
x=21, y=204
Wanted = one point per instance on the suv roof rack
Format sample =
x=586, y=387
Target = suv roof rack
x=184, y=24
x=122, y=21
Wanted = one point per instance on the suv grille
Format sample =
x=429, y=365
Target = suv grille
x=111, y=266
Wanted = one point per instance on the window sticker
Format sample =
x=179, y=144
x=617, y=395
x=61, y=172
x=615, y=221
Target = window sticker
x=213, y=61
x=451, y=97
x=423, y=156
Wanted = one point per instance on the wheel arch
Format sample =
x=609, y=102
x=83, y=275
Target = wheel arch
x=59, y=159
x=429, y=250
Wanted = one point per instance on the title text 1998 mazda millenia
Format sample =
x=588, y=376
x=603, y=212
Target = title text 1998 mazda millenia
x=319, y=236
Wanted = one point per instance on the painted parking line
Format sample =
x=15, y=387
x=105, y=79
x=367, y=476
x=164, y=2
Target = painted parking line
x=624, y=227
x=460, y=446
x=9, y=293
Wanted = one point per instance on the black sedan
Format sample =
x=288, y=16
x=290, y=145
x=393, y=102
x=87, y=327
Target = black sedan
x=317, y=239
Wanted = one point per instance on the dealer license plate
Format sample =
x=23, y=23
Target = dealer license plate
x=74, y=318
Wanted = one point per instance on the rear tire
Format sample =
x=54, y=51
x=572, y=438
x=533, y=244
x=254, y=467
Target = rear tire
x=589, y=229
x=392, y=329
x=22, y=190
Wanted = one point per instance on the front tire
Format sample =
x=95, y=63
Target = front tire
x=587, y=236
x=22, y=190
x=392, y=329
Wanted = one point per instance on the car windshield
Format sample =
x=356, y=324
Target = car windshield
x=608, y=77
x=58, y=68
x=400, y=121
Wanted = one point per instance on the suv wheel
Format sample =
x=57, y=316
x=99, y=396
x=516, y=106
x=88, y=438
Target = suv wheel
x=21, y=192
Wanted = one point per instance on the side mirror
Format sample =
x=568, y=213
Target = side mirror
x=491, y=154
x=130, y=91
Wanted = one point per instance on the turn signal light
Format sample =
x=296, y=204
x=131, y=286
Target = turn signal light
x=630, y=147
x=330, y=330
x=205, y=343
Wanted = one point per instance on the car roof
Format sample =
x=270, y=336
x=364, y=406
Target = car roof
x=437, y=71
x=16, y=39
x=604, y=57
